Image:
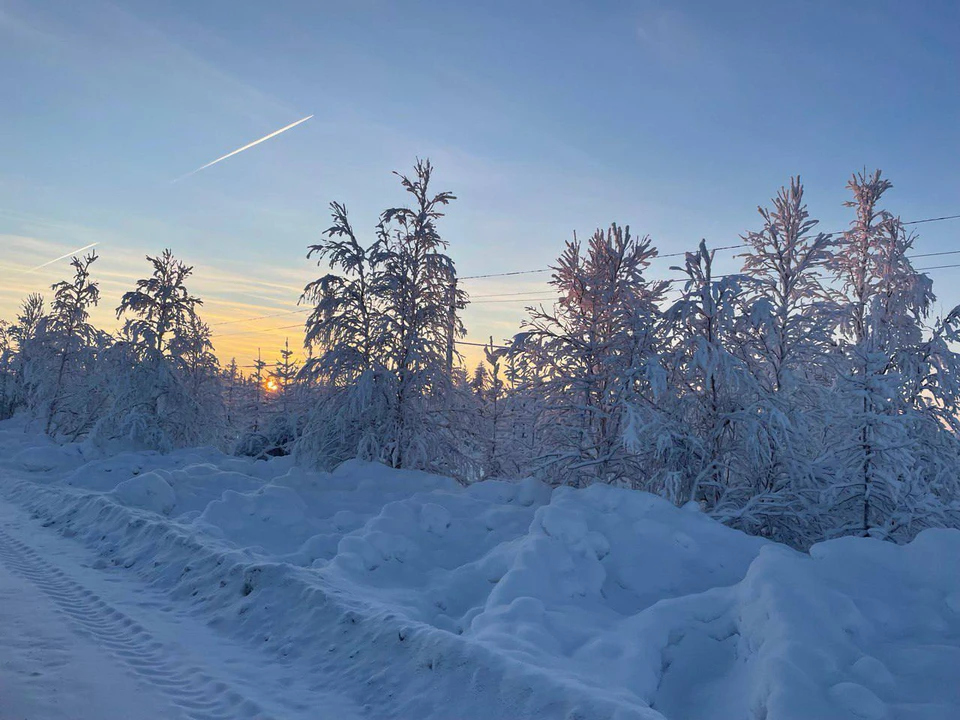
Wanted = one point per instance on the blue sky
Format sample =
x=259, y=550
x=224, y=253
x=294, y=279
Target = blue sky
x=543, y=117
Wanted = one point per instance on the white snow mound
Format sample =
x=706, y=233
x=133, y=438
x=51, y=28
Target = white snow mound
x=149, y=491
x=513, y=600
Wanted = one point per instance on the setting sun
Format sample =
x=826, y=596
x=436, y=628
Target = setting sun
x=271, y=385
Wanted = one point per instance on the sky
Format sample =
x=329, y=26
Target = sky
x=544, y=118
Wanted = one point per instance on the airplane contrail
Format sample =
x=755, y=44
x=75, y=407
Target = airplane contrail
x=69, y=254
x=245, y=147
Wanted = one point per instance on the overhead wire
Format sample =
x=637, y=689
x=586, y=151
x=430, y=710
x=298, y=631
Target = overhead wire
x=717, y=249
x=511, y=297
x=261, y=317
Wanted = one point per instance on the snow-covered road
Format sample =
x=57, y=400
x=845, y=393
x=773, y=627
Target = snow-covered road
x=50, y=671
x=81, y=642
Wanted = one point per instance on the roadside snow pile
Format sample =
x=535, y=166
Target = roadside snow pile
x=512, y=600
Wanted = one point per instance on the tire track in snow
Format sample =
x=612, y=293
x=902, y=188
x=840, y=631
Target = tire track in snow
x=199, y=695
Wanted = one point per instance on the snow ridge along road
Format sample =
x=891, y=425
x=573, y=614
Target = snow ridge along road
x=193, y=689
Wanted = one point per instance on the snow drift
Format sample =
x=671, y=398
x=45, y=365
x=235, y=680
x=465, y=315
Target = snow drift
x=426, y=599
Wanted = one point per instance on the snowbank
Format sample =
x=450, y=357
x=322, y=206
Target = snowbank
x=509, y=600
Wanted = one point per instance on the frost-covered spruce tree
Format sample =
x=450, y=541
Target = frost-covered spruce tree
x=491, y=392
x=258, y=379
x=154, y=404
x=285, y=420
x=482, y=418
x=250, y=409
x=381, y=333
x=275, y=407
x=285, y=372
x=234, y=396
x=590, y=351
x=69, y=340
x=523, y=409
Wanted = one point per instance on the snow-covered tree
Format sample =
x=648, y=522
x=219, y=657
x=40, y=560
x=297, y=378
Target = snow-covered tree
x=285, y=372
x=31, y=359
x=161, y=306
x=341, y=337
x=381, y=334
x=275, y=407
x=258, y=380
x=785, y=339
x=487, y=416
x=69, y=337
x=192, y=352
x=8, y=376
x=420, y=300
x=788, y=331
x=709, y=385
x=233, y=385
x=590, y=350
x=165, y=384
x=882, y=303
x=344, y=325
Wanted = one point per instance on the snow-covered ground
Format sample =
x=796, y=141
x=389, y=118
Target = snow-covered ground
x=216, y=587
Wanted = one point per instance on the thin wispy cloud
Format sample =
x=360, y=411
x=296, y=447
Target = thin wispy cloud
x=245, y=147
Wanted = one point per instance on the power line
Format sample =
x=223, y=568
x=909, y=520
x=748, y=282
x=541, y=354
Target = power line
x=524, y=292
x=718, y=249
x=935, y=254
x=669, y=281
x=937, y=267
x=479, y=344
x=684, y=252
x=506, y=274
x=481, y=302
x=261, y=317
x=260, y=330
x=502, y=297
x=543, y=270
x=936, y=219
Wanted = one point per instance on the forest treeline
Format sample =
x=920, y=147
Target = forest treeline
x=810, y=395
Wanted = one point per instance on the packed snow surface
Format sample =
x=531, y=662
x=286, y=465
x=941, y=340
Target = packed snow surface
x=416, y=597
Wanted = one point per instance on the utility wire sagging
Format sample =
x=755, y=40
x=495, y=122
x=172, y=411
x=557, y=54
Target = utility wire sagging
x=540, y=295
